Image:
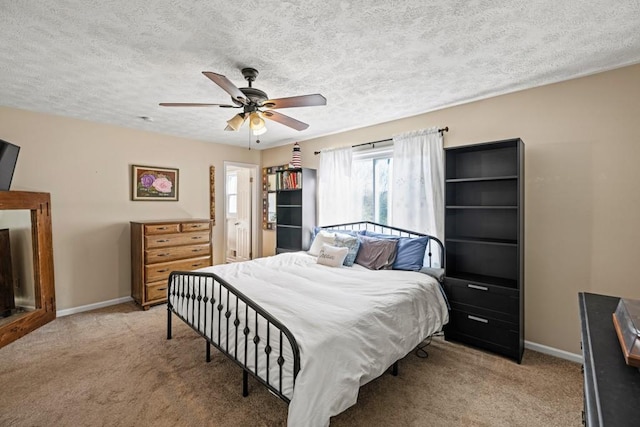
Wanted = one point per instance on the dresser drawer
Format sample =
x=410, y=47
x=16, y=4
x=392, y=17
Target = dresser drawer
x=482, y=331
x=504, y=302
x=153, y=256
x=195, y=226
x=161, y=228
x=161, y=271
x=161, y=241
x=155, y=291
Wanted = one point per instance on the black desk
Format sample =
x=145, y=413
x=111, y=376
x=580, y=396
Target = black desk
x=611, y=387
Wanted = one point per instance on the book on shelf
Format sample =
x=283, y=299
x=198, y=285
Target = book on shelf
x=289, y=180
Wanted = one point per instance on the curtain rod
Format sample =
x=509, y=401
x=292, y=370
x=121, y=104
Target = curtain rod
x=444, y=129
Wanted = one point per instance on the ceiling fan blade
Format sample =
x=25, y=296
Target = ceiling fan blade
x=285, y=120
x=296, y=101
x=192, y=104
x=226, y=84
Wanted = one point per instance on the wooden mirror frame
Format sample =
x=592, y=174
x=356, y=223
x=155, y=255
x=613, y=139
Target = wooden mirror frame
x=45, y=311
x=266, y=225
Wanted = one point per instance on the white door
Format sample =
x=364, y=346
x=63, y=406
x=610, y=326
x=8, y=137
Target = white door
x=243, y=220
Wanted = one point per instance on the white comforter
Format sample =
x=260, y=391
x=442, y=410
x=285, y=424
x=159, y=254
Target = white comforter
x=350, y=323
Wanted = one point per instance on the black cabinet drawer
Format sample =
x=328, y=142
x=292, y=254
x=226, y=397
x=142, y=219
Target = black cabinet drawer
x=495, y=301
x=485, y=332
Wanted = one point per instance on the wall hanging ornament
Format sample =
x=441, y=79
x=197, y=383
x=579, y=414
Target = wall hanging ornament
x=296, y=159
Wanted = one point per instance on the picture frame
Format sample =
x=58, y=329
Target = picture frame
x=153, y=183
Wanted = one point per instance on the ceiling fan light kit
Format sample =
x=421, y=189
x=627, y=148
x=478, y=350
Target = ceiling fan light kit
x=256, y=123
x=252, y=101
x=236, y=121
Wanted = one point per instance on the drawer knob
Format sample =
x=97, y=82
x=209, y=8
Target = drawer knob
x=196, y=237
x=196, y=250
x=162, y=228
x=164, y=254
x=163, y=270
x=478, y=287
x=162, y=289
x=477, y=319
x=163, y=241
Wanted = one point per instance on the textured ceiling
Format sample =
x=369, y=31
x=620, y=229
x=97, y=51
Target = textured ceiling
x=114, y=61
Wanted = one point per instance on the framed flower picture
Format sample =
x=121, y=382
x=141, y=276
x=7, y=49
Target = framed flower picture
x=154, y=183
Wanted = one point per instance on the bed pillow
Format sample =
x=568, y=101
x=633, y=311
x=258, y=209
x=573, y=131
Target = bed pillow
x=315, y=231
x=332, y=256
x=411, y=251
x=350, y=242
x=377, y=254
x=321, y=238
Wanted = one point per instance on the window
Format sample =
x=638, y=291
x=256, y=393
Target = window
x=232, y=195
x=371, y=173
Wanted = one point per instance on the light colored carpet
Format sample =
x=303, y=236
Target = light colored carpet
x=114, y=367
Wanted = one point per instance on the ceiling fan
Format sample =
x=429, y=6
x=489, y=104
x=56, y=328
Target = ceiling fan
x=255, y=103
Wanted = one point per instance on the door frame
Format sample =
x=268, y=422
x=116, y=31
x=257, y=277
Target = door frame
x=256, y=217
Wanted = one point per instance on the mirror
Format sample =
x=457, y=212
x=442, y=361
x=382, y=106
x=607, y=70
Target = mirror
x=27, y=292
x=17, y=292
x=269, y=196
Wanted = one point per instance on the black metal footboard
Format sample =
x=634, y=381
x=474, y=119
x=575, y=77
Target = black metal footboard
x=238, y=327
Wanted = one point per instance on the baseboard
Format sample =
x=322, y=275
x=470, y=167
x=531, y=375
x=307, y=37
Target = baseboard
x=553, y=351
x=88, y=307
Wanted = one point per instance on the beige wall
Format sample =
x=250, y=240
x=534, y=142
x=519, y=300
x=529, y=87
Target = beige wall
x=582, y=196
x=87, y=167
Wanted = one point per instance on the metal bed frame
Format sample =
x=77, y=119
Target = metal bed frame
x=231, y=311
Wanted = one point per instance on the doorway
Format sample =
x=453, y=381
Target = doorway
x=241, y=222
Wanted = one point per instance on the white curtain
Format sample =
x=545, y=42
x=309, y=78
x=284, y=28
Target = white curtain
x=418, y=182
x=335, y=194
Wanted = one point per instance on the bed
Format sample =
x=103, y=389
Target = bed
x=313, y=334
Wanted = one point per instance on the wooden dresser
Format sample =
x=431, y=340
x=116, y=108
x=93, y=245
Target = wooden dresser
x=160, y=247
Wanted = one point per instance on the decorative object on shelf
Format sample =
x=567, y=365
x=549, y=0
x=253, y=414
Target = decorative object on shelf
x=296, y=158
x=154, y=183
x=626, y=320
x=212, y=194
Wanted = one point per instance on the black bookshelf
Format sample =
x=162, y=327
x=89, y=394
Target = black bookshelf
x=484, y=245
x=295, y=208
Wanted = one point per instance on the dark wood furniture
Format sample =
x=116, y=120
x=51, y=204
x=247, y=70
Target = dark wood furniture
x=484, y=245
x=295, y=208
x=7, y=302
x=160, y=247
x=611, y=387
x=39, y=204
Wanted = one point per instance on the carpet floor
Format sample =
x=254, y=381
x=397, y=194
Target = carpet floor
x=114, y=367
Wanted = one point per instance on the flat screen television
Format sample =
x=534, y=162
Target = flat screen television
x=8, y=159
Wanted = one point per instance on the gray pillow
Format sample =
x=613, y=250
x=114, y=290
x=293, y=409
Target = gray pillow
x=377, y=254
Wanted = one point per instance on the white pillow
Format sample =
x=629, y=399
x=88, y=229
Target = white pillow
x=332, y=256
x=321, y=238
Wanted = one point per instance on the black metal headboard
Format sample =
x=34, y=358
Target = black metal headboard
x=434, y=243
